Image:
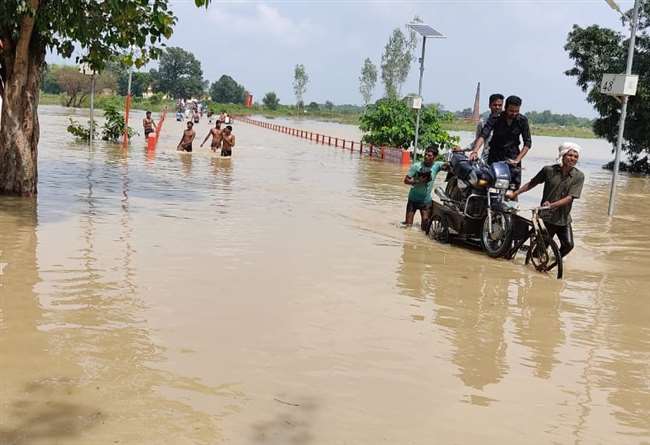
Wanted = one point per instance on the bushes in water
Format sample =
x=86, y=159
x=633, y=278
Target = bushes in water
x=112, y=130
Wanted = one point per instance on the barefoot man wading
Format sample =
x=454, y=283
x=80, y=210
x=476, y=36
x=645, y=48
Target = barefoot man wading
x=217, y=136
x=188, y=137
x=228, y=141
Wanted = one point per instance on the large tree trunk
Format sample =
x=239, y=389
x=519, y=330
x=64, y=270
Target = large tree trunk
x=19, y=129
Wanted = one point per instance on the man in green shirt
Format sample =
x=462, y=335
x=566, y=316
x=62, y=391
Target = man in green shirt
x=562, y=184
x=420, y=177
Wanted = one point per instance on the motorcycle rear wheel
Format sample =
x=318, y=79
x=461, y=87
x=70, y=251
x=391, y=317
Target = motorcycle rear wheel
x=497, y=243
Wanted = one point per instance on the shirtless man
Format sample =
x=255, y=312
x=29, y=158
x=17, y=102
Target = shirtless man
x=148, y=124
x=188, y=137
x=228, y=140
x=217, y=137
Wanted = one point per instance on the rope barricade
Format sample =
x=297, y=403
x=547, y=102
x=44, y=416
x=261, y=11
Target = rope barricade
x=391, y=154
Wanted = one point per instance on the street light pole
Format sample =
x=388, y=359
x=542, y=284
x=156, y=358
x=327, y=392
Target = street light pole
x=621, y=123
x=127, y=108
x=417, y=119
x=92, y=109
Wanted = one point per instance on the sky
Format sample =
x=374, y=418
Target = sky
x=510, y=46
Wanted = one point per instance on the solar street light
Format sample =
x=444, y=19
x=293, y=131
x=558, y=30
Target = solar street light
x=425, y=31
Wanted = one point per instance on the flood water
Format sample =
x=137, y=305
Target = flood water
x=273, y=299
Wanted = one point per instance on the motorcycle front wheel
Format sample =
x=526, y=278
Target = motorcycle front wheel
x=497, y=242
x=545, y=256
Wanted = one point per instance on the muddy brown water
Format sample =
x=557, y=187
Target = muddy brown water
x=272, y=298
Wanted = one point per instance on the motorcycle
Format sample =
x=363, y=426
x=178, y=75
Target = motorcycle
x=473, y=207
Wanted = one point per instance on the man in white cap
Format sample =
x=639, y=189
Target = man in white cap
x=562, y=184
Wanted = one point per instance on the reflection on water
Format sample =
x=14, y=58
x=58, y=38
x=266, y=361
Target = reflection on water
x=152, y=296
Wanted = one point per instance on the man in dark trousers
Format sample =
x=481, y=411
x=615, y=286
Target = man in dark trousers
x=562, y=184
x=506, y=129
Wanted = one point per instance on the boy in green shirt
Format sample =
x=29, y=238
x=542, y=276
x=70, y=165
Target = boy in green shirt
x=420, y=177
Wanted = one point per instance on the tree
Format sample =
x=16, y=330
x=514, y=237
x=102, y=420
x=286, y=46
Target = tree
x=300, y=80
x=76, y=86
x=179, y=74
x=367, y=80
x=395, y=55
x=396, y=60
x=271, y=101
x=48, y=83
x=313, y=107
x=329, y=105
x=596, y=51
x=390, y=122
x=28, y=28
x=227, y=91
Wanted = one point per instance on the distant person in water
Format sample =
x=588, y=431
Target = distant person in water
x=228, y=141
x=148, y=124
x=217, y=137
x=188, y=137
x=196, y=116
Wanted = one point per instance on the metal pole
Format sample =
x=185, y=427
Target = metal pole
x=92, y=109
x=417, y=119
x=127, y=107
x=621, y=123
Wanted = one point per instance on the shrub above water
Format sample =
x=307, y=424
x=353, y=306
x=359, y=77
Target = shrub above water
x=390, y=122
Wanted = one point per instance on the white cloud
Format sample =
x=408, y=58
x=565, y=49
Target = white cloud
x=266, y=22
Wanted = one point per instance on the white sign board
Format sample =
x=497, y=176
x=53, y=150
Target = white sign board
x=619, y=84
x=84, y=68
x=415, y=102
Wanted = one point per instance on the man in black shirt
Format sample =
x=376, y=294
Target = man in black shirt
x=506, y=129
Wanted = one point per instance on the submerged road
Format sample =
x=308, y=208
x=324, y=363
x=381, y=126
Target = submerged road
x=272, y=298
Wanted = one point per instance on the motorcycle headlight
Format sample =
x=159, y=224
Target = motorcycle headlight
x=501, y=184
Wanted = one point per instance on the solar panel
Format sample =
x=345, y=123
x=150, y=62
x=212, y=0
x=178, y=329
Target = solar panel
x=425, y=30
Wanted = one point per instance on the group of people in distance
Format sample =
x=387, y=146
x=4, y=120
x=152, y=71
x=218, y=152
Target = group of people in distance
x=501, y=136
x=222, y=139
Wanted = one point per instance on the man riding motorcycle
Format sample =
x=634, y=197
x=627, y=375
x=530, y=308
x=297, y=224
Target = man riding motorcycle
x=506, y=130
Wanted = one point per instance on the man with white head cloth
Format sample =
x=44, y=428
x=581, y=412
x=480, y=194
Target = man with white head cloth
x=562, y=184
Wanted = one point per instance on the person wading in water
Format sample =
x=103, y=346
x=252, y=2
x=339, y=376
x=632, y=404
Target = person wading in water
x=217, y=137
x=228, y=141
x=188, y=137
x=148, y=124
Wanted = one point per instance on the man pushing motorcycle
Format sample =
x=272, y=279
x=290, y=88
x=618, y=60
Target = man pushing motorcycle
x=506, y=129
x=562, y=184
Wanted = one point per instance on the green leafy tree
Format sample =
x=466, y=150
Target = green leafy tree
x=100, y=30
x=179, y=74
x=397, y=59
x=367, y=80
x=313, y=106
x=390, y=122
x=595, y=51
x=271, y=101
x=227, y=91
x=300, y=80
x=329, y=105
x=140, y=82
x=49, y=84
